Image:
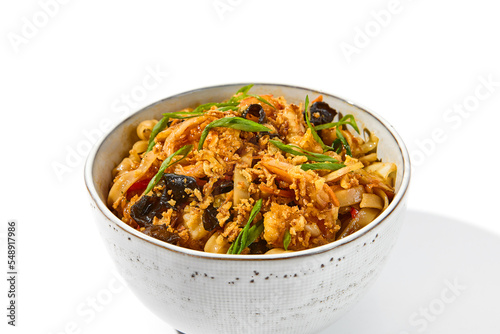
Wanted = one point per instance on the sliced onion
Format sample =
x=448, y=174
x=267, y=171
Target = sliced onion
x=351, y=165
x=368, y=159
x=371, y=201
x=382, y=195
x=277, y=251
x=348, y=197
x=382, y=169
x=127, y=179
x=364, y=217
x=241, y=184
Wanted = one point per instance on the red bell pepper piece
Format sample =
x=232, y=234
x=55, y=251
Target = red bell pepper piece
x=139, y=185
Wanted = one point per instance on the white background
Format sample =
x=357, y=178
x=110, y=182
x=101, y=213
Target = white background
x=65, y=77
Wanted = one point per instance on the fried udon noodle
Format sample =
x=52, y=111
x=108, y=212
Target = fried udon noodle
x=252, y=175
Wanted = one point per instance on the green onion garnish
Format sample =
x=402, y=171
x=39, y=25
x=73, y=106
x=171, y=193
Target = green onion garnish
x=237, y=123
x=324, y=166
x=162, y=124
x=245, y=94
x=347, y=119
x=243, y=90
x=313, y=131
x=207, y=106
x=184, y=151
x=227, y=108
x=263, y=100
x=344, y=141
x=295, y=150
x=286, y=239
x=245, y=238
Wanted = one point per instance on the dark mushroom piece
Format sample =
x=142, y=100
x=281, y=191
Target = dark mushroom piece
x=321, y=113
x=222, y=186
x=209, y=218
x=162, y=233
x=255, y=139
x=148, y=207
x=257, y=111
x=259, y=247
x=176, y=185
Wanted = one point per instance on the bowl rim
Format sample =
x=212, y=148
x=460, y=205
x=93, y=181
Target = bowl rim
x=103, y=208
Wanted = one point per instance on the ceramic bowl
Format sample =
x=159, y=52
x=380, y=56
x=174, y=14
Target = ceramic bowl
x=196, y=292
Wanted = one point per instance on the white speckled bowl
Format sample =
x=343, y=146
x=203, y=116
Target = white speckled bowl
x=197, y=292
